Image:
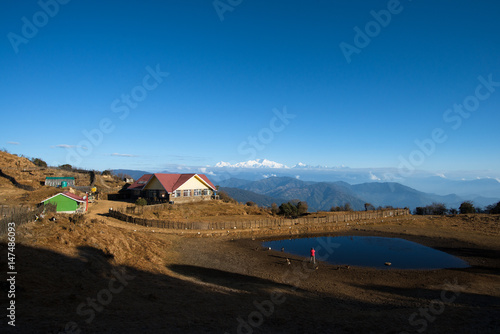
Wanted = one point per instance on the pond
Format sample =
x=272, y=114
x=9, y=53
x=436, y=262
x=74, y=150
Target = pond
x=368, y=251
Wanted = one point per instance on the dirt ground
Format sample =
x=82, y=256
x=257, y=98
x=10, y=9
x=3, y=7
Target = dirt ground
x=101, y=275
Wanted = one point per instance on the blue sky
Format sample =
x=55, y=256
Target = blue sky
x=270, y=81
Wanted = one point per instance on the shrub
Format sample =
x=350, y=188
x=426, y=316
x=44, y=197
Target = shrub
x=226, y=198
x=302, y=208
x=494, y=208
x=77, y=219
x=433, y=209
x=274, y=209
x=292, y=210
x=141, y=202
x=39, y=162
x=66, y=167
x=467, y=207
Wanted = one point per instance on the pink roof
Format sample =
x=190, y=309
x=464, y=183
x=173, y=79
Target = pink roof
x=140, y=183
x=169, y=181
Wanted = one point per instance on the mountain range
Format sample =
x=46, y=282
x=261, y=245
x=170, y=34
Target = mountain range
x=324, y=195
x=323, y=187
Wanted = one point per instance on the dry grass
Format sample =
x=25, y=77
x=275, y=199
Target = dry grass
x=210, y=211
x=26, y=173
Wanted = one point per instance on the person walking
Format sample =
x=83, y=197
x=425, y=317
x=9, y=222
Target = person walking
x=313, y=256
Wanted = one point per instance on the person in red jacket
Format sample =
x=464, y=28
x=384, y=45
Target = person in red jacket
x=313, y=256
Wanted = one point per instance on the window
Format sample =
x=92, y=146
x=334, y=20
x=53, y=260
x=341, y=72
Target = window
x=205, y=192
x=187, y=193
x=177, y=193
x=197, y=192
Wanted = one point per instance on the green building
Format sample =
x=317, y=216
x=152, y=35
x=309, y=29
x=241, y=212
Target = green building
x=67, y=203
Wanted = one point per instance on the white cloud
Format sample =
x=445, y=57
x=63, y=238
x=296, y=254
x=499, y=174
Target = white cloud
x=373, y=177
x=13, y=143
x=123, y=155
x=69, y=146
x=268, y=175
x=297, y=177
x=257, y=163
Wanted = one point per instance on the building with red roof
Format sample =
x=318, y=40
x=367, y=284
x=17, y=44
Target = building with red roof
x=178, y=188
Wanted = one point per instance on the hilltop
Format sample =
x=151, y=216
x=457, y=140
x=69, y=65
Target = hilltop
x=22, y=182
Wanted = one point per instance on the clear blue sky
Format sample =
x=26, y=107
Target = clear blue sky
x=225, y=78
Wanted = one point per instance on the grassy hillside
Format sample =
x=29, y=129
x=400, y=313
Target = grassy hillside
x=21, y=171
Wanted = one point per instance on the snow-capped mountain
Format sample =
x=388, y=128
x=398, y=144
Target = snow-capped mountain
x=265, y=163
x=257, y=163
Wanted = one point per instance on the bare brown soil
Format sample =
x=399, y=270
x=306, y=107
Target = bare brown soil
x=71, y=274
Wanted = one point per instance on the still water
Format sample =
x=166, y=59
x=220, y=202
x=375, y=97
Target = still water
x=370, y=252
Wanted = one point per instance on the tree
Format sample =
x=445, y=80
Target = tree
x=438, y=209
x=467, y=207
x=302, y=208
x=493, y=209
x=106, y=172
x=288, y=210
x=419, y=210
x=368, y=206
x=67, y=167
x=226, y=198
x=347, y=207
x=453, y=211
x=39, y=162
x=274, y=209
x=433, y=209
x=335, y=208
x=250, y=203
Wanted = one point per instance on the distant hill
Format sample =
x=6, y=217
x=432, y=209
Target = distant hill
x=318, y=195
x=485, y=187
x=324, y=195
x=398, y=195
x=135, y=174
x=244, y=196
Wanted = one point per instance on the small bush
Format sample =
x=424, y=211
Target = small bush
x=226, y=198
x=77, y=219
x=38, y=162
x=141, y=202
x=467, y=207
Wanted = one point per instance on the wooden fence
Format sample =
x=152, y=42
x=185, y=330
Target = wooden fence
x=262, y=223
x=20, y=215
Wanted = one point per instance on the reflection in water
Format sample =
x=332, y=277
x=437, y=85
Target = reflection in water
x=370, y=252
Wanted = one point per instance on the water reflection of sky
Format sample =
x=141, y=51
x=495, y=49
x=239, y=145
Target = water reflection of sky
x=370, y=252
